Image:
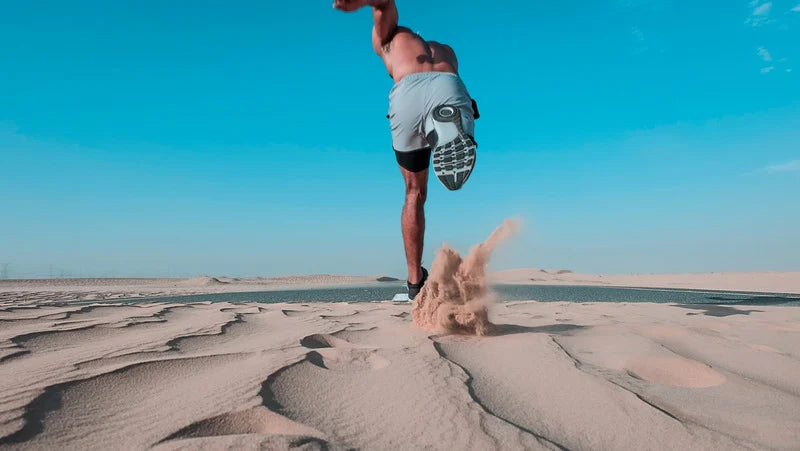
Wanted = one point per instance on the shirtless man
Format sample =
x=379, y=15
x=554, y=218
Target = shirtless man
x=430, y=111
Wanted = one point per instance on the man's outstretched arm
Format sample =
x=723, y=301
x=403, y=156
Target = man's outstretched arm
x=384, y=16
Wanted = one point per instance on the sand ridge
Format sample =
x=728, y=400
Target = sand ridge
x=556, y=375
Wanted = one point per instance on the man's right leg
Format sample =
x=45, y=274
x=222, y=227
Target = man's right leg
x=413, y=220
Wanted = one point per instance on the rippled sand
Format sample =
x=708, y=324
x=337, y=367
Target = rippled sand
x=558, y=375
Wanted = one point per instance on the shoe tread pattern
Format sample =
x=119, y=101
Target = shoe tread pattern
x=453, y=161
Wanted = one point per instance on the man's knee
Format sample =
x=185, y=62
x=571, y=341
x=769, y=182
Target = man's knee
x=416, y=193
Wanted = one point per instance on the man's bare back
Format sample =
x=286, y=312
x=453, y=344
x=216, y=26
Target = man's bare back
x=402, y=51
x=407, y=53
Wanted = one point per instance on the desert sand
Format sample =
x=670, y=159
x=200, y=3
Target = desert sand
x=383, y=375
x=245, y=375
x=765, y=281
x=43, y=291
x=47, y=291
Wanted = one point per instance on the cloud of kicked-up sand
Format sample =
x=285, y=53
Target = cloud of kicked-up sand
x=456, y=296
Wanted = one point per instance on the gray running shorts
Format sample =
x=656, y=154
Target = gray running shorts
x=411, y=103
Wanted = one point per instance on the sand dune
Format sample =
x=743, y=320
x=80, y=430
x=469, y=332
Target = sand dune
x=558, y=375
x=204, y=281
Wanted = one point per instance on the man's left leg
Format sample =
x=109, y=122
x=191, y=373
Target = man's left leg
x=413, y=221
x=413, y=155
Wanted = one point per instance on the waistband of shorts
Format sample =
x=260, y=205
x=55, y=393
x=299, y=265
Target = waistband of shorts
x=422, y=76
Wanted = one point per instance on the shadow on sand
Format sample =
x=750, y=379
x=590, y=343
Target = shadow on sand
x=715, y=310
x=558, y=329
x=756, y=300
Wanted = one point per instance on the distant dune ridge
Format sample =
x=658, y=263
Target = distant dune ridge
x=202, y=281
x=765, y=281
x=37, y=291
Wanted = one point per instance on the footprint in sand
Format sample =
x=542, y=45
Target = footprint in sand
x=341, y=315
x=292, y=313
x=675, y=371
x=317, y=341
x=336, y=354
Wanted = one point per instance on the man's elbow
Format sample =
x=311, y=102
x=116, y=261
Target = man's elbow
x=381, y=4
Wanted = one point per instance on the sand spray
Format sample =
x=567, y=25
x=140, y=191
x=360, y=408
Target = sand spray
x=456, y=297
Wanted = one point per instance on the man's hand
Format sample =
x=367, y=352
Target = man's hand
x=352, y=5
x=349, y=5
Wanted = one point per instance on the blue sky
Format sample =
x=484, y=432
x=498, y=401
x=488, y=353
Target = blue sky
x=249, y=138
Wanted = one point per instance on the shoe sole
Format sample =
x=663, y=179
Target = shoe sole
x=454, y=154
